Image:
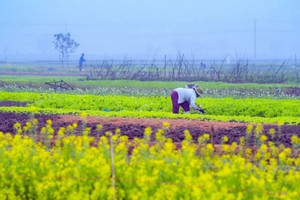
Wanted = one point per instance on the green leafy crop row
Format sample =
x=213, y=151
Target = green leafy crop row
x=220, y=109
x=213, y=106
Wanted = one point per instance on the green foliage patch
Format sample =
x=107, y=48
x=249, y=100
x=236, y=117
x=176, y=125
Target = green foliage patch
x=220, y=109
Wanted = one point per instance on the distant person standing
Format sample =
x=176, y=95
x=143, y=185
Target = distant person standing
x=81, y=60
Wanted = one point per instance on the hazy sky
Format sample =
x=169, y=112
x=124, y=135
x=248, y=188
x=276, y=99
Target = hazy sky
x=143, y=28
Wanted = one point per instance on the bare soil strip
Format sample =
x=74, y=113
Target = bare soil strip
x=13, y=103
x=133, y=127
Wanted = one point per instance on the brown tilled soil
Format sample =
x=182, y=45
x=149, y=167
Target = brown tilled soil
x=13, y=103
x=133, y=127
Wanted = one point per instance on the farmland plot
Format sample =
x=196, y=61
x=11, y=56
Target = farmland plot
x=41, y=162
x=62, y=146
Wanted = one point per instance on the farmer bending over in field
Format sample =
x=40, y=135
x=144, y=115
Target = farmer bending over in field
x=185, y=97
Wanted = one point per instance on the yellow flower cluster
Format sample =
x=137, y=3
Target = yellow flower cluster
x=140, y=169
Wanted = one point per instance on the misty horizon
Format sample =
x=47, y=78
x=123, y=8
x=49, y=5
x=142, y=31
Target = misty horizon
x=146, y=30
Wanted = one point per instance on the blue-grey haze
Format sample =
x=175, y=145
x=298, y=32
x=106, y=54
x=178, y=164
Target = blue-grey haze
x=204, y=29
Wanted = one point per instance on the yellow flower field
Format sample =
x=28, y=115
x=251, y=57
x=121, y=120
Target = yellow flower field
x=113, y=167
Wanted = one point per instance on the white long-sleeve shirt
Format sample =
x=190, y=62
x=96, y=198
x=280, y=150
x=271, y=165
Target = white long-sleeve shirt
x=187, y=94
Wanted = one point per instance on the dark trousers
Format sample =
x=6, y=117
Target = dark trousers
x=185, y=105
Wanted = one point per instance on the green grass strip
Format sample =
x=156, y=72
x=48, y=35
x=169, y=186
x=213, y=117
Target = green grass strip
x=77, y=81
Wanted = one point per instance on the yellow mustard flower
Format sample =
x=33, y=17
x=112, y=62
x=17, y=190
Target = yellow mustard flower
x=272, y=131
x=259, y=129
x=249, y=129
x=49, y=121
x=206, y=136
x=295, y=139
x=225, y=139
x=166, y=125
x=99, y=127
x=75, y=125
x=263, y=138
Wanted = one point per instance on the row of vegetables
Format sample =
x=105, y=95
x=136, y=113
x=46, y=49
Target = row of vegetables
x=221, y=109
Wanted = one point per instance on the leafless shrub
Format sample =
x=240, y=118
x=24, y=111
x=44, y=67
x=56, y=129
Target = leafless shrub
x=183, y=69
